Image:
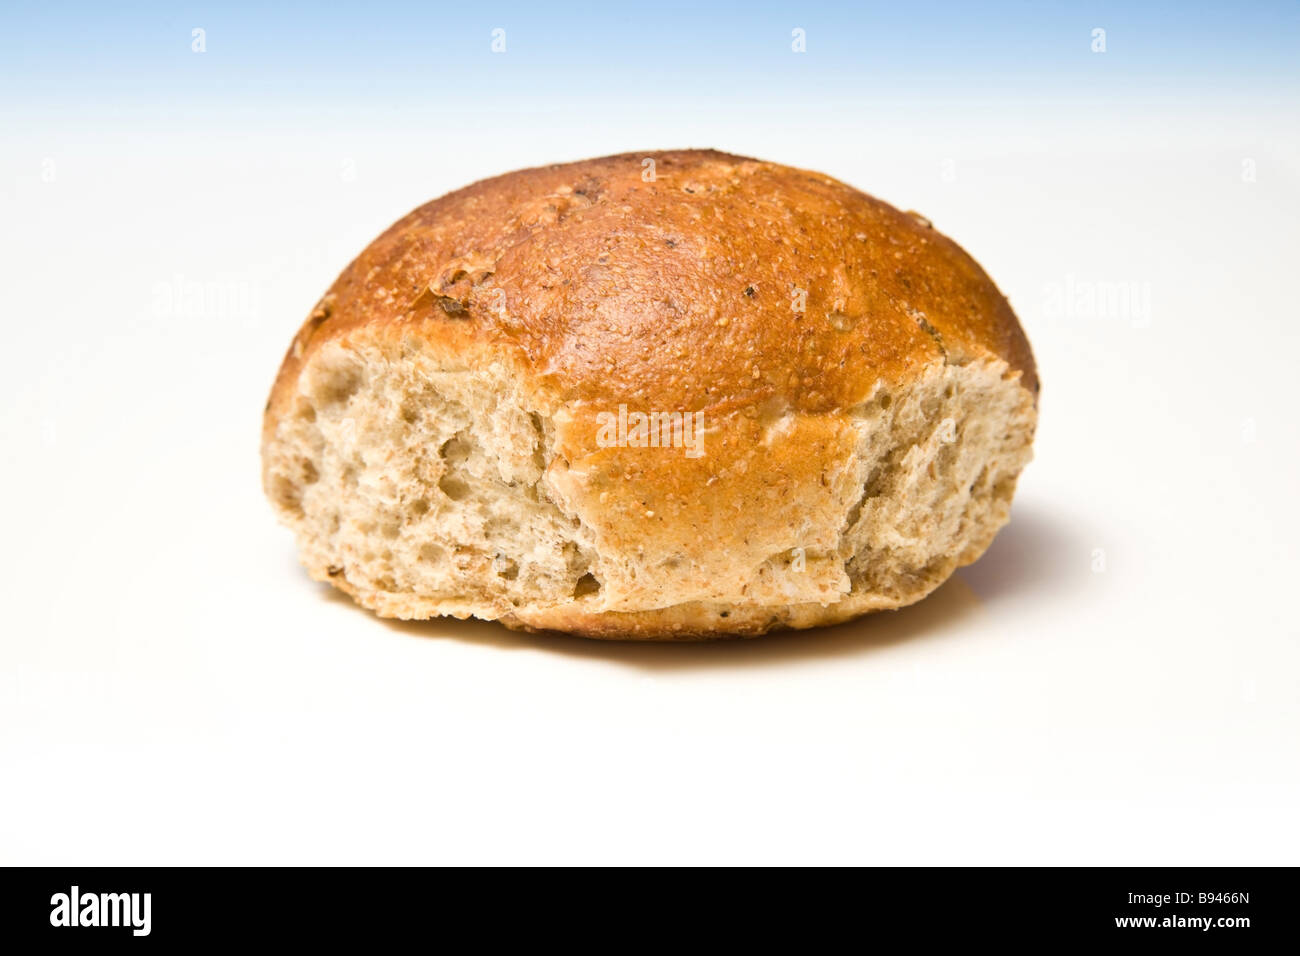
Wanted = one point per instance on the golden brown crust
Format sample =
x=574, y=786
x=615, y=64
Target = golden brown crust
x=678, y=291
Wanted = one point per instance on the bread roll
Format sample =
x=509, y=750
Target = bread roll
x=661, y=396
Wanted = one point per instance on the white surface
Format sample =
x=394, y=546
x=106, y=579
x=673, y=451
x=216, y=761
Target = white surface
x=173, y=689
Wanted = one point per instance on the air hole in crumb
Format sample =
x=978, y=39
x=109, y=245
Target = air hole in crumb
x=725, y=614
x=539, y=449
x=587, y=584
x=453, y=487
x=497, y=527
x=507, y=569
x=420, y=507
x=432, y=553
x=885, y=400
x=455, y=449
x=335, y=384
x=286, y=494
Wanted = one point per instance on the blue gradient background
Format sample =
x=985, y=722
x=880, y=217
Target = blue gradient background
x=432, y=63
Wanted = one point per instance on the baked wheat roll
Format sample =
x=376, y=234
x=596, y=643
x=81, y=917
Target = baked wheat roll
x=664, y=396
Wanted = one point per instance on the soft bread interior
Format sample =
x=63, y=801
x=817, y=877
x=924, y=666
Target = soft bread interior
x=422, y=489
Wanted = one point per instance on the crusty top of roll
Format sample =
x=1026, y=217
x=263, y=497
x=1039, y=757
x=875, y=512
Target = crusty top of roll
x=605, y=283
